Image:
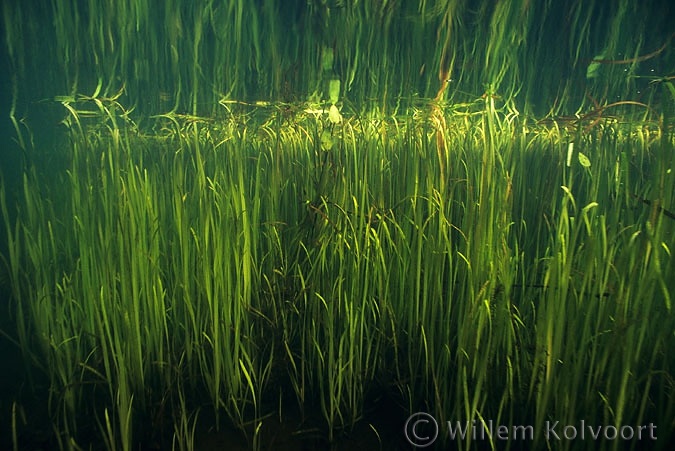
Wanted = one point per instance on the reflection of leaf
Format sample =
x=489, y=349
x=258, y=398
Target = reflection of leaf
x=583, y=159
x=594, y=67
x=592, y=70
x=327, y=57
x=333, y=91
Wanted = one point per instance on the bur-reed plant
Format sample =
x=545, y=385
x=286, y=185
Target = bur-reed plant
x=288, y=259
x=589, y=282
x=454, y=243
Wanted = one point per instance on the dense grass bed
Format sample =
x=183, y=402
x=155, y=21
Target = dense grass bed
x=282, y=263
x=266, y=224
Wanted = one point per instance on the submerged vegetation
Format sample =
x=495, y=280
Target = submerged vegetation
x=265, y=215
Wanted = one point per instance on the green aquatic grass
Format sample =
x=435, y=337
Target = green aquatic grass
x=434, y=241
x=231, y=279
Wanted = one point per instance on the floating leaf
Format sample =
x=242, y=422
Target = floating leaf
x=334, y=115
x=583, y=159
